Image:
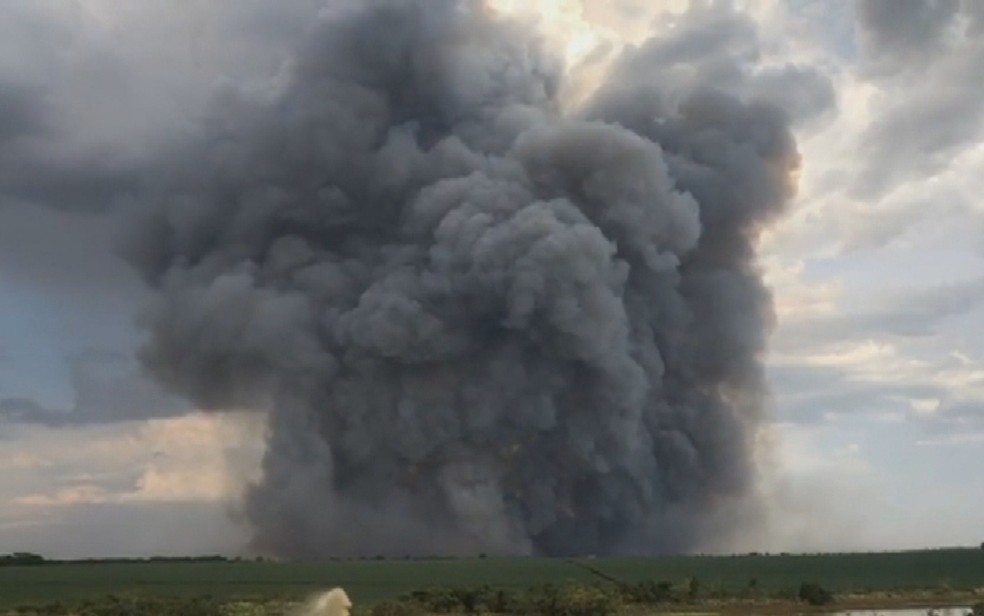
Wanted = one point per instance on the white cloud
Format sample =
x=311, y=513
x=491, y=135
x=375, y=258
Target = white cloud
x=198, y=462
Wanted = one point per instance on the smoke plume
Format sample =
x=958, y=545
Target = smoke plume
x=478, y=322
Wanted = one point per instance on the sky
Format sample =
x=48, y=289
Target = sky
x=875, y=366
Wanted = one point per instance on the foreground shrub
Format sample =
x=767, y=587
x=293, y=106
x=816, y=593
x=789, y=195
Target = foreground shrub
x=245, y=608
x=552, y=600
x=55, y=608
x=435, y=600
x=397, y=608
x=112, y=605
x=467, y=600
x=504, y=602
x=814, y=594
x=547, y=600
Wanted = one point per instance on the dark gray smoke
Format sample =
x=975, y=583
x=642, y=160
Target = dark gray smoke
x=478, y=322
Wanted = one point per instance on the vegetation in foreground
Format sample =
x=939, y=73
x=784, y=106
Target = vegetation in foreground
x=547, y=600
x=212, y=586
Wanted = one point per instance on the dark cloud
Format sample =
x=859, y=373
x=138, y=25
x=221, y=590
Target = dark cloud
x=809, y=394
x=67, y=256
x=21, y=113
x=904, y=34
x=461, y=305
x=26, y=410
x=953, y=420
x=956, y=416
x=806, y=93
x=934, y=214
x=43, y=157
x=975, y=16
x=812, y=395
x=919, y=133
x=78, y=183
x=913, y=324
x=926, y=59
x=717, y=45
x=87, y=102
x=37, y=167
x=912, y=313
x=107, y=387
x=93, y=94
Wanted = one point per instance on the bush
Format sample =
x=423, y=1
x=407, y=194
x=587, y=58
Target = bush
x=553, y=600
x=693, y=589
x=814, y=594
x=547, y=600
x=244, y=608
x=468, y=600
x=436, y=600
x=504, y=602
x=397, y=608
x=590, y=601
x=649, y=592
x=977, y=609
x=653, y=592
x=55, y=608
x=112, y=605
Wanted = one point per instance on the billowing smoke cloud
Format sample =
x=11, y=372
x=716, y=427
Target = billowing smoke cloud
x=478, y=322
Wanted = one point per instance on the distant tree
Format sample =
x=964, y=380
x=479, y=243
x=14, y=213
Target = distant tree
x=22, y=558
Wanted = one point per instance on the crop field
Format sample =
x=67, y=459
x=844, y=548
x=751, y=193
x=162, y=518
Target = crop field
x=370, y=581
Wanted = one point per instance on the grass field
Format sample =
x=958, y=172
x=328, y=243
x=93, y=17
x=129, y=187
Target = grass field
x=371, y=581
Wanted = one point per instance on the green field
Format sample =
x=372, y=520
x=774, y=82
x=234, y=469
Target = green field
x=371, y=581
